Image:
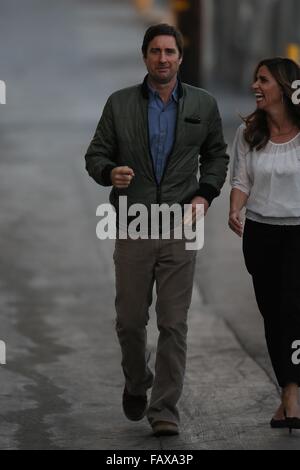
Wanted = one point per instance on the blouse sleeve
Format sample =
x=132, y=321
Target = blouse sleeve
x=239, y=175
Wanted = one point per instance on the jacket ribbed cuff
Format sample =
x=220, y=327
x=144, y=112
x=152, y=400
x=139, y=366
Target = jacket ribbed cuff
x=208, y=192
x=105, y=175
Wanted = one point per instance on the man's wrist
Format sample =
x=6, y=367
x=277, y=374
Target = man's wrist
x=208, y=192
x=106, y=174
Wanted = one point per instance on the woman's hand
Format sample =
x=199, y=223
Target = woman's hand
x=235, y=222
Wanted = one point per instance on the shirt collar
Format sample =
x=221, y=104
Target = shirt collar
x=154, y=93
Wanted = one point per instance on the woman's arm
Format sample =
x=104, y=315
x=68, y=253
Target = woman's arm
x=240, y=182
x=238, y=200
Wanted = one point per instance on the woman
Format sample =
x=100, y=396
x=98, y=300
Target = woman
x=266, y=180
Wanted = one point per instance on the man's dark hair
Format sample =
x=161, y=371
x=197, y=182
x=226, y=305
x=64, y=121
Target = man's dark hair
x=162, y=29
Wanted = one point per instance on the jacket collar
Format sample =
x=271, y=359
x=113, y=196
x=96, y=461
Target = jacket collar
x=145, y=90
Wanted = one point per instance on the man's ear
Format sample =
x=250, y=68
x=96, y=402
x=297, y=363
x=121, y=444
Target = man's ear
x=180, y=60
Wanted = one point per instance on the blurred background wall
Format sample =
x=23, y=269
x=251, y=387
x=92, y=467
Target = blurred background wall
x=231, y=36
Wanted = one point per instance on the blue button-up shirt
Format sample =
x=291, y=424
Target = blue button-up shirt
x=162, y=128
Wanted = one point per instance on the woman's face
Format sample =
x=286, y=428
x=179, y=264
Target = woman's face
x=266, y=89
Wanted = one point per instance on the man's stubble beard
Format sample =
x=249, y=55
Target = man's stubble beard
x=163, y=81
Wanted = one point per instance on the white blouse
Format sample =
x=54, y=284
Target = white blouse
x=271, y=179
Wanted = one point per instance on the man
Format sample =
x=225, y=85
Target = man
x=147, y=146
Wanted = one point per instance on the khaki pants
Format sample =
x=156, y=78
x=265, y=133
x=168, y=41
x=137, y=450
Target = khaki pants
x=140, y=263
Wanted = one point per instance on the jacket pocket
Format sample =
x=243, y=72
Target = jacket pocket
x=195, y=132
x=192, y=120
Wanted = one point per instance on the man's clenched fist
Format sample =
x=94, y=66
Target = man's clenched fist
x=121, y=176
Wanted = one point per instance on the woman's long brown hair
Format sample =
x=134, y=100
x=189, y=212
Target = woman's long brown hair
x=285, y=71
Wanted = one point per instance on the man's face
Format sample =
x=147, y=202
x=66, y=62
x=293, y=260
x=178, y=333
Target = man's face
x=163, y=59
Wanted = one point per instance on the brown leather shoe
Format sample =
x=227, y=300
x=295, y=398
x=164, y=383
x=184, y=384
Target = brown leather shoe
x=134, y=406
x=165, y=428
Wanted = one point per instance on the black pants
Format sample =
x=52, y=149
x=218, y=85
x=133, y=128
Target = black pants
x=272, y=256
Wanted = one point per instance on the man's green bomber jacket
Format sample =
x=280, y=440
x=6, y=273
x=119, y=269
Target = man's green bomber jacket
x=121, y=139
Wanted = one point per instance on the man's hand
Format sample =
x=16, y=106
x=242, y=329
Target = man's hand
x=121, y=176
x=191, y=215
x=200, y=200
